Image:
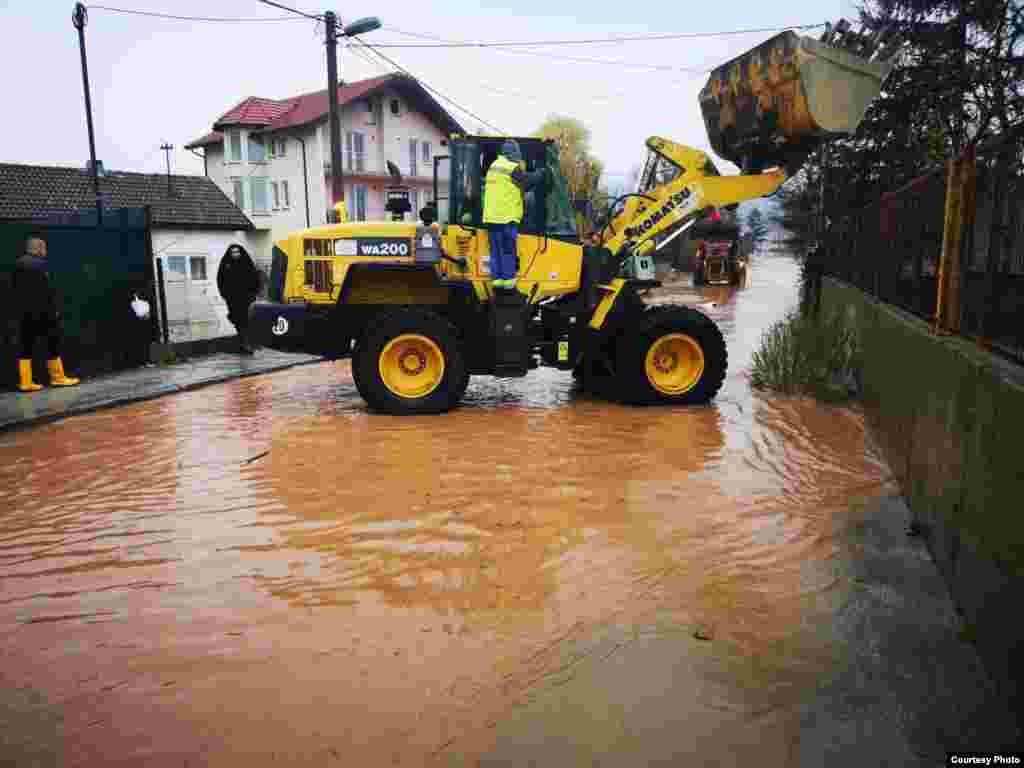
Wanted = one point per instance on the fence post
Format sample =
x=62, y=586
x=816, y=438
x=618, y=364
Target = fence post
x=161, y=296
x=959, y=216
x=970, y=203
x=995, y=248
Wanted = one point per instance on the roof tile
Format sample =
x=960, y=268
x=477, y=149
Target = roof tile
x=253, y=111
x=31, y=191
x=215, y=137
x=274, y=115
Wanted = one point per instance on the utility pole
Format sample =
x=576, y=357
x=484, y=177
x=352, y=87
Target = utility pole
x=167, y=151
x=337, y=181
x=80, y=18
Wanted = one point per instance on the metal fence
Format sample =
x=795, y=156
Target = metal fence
x=957, y=261
x=96, y=267
x=992, y=292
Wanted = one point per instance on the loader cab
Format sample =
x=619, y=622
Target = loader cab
x=547, y=210
x=667, y=161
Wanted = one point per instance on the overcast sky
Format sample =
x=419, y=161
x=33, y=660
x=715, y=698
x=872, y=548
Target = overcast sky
x=156, y=81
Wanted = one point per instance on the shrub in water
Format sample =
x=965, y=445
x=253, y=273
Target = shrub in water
x=808, y=354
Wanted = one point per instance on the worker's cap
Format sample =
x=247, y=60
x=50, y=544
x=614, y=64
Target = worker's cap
x=511, y=150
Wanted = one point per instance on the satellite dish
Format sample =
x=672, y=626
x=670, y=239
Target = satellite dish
x=393, y=170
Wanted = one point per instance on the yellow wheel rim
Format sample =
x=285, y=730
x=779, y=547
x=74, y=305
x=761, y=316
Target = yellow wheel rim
x=411, y=366
x=674, y=364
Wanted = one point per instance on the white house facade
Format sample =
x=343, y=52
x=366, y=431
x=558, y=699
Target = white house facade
x=272, y=157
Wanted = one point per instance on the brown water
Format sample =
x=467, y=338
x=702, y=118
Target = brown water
x=265, y=573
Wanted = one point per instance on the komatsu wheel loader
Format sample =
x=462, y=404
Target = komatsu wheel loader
x=412, y=302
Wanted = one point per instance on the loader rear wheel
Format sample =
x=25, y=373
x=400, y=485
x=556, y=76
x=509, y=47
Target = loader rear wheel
x=674, y=355
x=410, y=362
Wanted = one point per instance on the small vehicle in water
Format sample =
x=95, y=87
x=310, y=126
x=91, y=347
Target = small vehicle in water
x=717, y=263
x=716, y=259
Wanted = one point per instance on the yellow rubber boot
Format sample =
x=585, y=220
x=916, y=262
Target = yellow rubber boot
x=57, y=377
x=25, y=383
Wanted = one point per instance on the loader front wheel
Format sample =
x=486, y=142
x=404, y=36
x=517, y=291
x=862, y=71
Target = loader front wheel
x=675, y=355
x=410, y=363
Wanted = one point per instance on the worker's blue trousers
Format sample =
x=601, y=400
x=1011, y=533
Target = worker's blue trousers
x=503, y=250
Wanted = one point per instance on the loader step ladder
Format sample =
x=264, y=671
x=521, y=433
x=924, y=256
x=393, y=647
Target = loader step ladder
x=510, y=314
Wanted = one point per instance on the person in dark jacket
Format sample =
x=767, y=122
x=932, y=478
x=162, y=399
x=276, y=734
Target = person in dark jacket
x=37, y=312
x=238, y=281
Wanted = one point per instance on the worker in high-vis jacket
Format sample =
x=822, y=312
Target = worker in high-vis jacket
x=37, y=311
x=504, y=187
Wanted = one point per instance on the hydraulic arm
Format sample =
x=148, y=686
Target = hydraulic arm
x=678, y=185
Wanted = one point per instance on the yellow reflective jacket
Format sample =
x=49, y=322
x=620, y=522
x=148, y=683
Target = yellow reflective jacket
x=503, y=200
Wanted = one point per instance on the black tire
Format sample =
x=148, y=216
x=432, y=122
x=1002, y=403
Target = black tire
x=633, y=384
x=382, y=330
x=698, y=275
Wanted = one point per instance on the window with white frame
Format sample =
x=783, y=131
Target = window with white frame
x=413, y=158
x=426, y=152
x=414, y=204
x=356, y=202
x=281, y=147
x=257, y=150
x=285, y=202
x=238, y=193
x=234, y=146
x=394, y=107
x=275, y=195
x=197, y=267
x=355, y=149
x=175, y=267
x=259, y=194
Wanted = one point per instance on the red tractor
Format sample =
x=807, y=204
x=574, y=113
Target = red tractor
x=716, y=258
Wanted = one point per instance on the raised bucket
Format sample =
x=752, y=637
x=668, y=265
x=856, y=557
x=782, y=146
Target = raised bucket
x=775, y=103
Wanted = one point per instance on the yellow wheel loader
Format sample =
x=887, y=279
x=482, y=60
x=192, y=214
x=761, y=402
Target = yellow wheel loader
x=412, y=302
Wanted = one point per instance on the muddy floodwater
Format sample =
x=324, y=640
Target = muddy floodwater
x=264, y=573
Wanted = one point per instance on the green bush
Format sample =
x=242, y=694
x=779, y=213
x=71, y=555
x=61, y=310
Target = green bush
x=809, y=355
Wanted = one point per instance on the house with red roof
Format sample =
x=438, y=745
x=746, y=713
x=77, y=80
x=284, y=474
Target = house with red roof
x=273, y=156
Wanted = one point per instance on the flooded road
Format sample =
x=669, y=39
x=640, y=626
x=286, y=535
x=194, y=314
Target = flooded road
x=264, y=573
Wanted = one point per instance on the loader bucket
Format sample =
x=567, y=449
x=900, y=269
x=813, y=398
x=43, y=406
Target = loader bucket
x=774, y=104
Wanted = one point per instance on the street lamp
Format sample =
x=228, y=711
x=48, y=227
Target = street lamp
x=361, y=26
x=358, y=27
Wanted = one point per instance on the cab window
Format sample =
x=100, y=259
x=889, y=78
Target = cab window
x=658, y=170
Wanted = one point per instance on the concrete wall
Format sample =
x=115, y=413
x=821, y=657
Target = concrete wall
x=950, y=418
x=195, y=311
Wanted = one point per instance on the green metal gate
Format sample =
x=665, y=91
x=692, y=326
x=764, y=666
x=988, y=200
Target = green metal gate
x=96, y=267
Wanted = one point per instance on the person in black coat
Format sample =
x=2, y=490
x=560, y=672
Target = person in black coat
x=37, y=312
x=238, y=281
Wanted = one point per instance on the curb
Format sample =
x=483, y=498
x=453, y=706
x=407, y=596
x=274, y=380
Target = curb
x=170, y=389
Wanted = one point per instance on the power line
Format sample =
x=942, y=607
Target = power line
x=563, y=57
x=599, y=41
x=426, y=85
x=494, y=89
x=174, y=17
x=365, y=58
x=532, y=98
x=314, y=17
